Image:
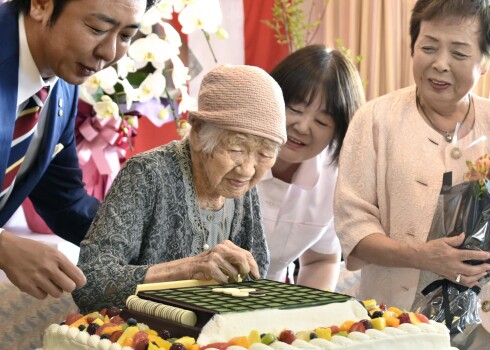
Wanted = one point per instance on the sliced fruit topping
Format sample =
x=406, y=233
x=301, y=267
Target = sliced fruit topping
x=357, y=327
x=422, y=318
x=324, y=333
x=268, y=338
x=72, y=318
x=404, y=318
x=378, y=323
x=288, y=336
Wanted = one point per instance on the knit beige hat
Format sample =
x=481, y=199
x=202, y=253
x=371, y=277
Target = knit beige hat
x=244, y=99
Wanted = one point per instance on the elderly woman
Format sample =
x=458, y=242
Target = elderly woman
x=189, y=209
x=399, y=146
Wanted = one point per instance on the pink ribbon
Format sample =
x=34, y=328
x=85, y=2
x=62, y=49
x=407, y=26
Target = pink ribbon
x=102, y=145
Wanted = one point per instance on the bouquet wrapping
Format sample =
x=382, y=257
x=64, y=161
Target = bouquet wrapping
x=464, y=207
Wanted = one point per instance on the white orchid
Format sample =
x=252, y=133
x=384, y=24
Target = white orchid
x=187, y=102
x=151, y=49
x=104, y=79
x=172, y=36
x=154, y=15
x=179, y=5
x=106, y=108
x=125, y=66
x=131, y=93
x=153, y=86
x=201, y=14
x=86, y=97
x=180, y=73
x=150, y=18
x=129, y=84
x=165, y=7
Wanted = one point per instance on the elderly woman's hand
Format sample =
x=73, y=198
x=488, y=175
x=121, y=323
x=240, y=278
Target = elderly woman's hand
x=443, y=257
x=224, y=263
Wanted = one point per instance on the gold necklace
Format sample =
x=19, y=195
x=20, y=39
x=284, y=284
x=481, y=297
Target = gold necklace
x=448, y=134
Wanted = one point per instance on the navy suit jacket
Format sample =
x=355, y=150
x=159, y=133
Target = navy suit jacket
x=54, y=181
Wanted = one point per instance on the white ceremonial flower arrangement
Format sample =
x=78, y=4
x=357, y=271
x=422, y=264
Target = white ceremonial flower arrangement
x=151, y=81
x=142, y=76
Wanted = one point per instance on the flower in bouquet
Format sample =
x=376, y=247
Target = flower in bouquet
x=479, y=171
x=150, y=81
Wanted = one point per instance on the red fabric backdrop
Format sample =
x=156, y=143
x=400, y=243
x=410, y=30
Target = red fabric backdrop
x=261, y=47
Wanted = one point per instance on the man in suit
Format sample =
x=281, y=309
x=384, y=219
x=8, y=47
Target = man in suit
x=56, y=44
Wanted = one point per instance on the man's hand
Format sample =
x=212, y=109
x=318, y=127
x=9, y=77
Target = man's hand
x=37, y=269
x=223, y=263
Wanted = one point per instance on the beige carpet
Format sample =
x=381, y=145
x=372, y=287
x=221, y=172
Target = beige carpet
x=24, y=318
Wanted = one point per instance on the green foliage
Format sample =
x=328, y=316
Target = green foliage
x=479, y=189
x=346, y=51
x=292, y=26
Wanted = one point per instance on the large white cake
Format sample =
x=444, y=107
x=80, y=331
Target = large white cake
x=222, y=328
x=225, y=326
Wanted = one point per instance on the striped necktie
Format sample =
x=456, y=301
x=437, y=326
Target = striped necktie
x=24, y=128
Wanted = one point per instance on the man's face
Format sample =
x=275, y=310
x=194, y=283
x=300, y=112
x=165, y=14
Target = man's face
x=88, y=35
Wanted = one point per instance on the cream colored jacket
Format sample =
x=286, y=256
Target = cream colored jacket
x=390, y=176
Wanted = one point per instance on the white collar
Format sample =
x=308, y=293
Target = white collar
x=308, y=173
x=30, y=80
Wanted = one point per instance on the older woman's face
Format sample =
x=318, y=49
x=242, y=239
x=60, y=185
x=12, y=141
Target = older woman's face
x=231, y=170
x=447, y=60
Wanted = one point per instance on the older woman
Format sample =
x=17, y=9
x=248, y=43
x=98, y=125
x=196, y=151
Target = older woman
x=189, y=210
x=399, y=146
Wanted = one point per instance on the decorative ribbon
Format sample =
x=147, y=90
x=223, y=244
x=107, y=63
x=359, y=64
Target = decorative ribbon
x=102, y=145
x=445, y=284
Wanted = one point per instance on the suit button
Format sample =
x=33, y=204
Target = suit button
x=60, y=113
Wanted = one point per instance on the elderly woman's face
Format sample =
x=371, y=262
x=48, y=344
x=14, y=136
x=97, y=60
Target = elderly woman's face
x=231, y=170
x=447, y=60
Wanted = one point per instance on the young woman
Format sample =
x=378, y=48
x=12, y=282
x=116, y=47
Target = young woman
x=322, y=90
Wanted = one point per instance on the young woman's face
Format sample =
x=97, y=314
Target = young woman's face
x=310, y=130
x=89, y=35
x=447, y=60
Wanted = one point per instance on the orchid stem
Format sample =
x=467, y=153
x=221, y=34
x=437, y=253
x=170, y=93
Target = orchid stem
x=174, y=113
x=208, y=40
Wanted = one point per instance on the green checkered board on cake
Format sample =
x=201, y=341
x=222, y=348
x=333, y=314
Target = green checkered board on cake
x=204, y=303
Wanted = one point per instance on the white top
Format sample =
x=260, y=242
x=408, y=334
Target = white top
x=299, y=216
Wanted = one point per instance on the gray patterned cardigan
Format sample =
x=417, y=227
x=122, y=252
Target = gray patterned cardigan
x=150, y=216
